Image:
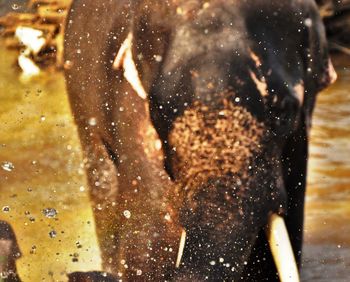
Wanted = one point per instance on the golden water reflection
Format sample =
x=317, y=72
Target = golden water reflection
x=327, y=228
x=38, y=137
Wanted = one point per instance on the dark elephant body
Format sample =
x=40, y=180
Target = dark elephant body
x=231, y=88
x=9, y=253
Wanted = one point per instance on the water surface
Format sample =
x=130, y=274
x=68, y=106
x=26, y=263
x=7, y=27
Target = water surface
x=327, y=230
x=38, y=137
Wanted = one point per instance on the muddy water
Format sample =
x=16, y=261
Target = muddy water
x=327, y=230
x=38, y=137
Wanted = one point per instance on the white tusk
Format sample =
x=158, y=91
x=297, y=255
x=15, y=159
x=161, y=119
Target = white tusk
x=118, y=61
x=124, y=59
x=281, y=249
x=181, y=248
x=131, y=75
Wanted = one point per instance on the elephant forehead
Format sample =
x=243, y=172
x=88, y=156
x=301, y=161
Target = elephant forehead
x=208, y=142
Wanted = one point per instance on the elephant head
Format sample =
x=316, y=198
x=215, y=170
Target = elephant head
x=235, y=84
x=231, y=86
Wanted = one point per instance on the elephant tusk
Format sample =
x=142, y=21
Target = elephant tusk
x=281, y=249
x=119, y=59
x=125, y=60
x=181, y=248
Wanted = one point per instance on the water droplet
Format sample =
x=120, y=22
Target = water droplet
x=42, y=118
x=49, y=212
x=92, y=121
x=308, y=22
x=6, y=209
x=15, y=6
x=167, y=217
x=158, y=58
x=127, y=214
x=158, y=145
x=33, y=249
x=67, y=65
x=75, y=257
x=52, y=234
x=8, y=166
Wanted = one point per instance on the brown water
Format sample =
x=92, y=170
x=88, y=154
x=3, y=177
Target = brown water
x=38, y=137
x=327, y=230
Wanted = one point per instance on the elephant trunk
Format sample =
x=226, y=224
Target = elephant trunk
x=229, y=180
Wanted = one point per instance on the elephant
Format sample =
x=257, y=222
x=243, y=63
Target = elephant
x=194, y=120
x=9, y=253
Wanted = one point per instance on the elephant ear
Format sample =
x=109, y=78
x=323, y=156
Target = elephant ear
x=319, y=72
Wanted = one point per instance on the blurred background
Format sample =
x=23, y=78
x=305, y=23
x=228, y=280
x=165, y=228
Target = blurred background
x=43, y=192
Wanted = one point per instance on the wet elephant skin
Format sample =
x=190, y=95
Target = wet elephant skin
x=231, y=88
